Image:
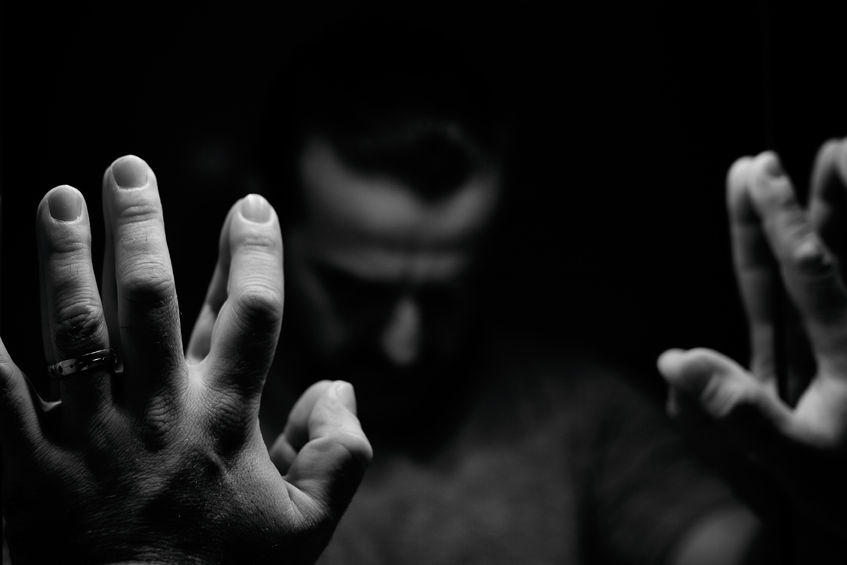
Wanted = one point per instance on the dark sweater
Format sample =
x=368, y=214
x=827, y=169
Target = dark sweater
x=552, y=462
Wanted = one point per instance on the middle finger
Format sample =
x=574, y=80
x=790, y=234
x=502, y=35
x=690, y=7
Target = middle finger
x=755, y=269
x=145, y=295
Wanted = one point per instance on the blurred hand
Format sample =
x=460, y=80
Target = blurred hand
x=778, y=242
x=164, y=462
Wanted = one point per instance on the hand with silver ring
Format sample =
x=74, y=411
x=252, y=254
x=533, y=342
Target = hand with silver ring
x=102, y=359
x=163, y=461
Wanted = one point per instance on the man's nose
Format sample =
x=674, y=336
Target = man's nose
x=401, y=339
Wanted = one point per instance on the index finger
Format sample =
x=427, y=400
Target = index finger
x=755, y=269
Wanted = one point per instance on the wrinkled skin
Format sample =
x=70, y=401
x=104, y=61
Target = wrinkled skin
x=164, y=462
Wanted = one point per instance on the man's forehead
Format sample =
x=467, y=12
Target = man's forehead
x=366, y=208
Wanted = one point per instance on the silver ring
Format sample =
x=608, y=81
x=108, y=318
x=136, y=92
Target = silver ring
x=105, y=359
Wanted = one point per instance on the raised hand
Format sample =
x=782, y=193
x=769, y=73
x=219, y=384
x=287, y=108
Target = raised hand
x=776, y=241
x=164, y=461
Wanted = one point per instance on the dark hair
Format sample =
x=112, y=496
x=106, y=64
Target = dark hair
x=392, y=97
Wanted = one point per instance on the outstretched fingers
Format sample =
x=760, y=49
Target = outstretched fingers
x=808, y=268
x=332, y=451
x=755, y=269
x=72, y=314
x=236, y=334
x=143, y=301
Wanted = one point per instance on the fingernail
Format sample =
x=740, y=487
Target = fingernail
x=256, y=209
x=344, y=392
x=65, y=203
x=773, y=167
x=129, y=172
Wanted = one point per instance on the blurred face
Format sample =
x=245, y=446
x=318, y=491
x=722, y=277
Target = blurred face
x=380, y=277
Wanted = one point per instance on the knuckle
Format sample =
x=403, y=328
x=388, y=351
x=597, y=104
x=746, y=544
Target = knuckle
x=70, y=245
x=259, y=303
x=147, y=283
x=358, y=447
x=784, y=200
x=257, y=240
x=778, y=198
x=810, y=256
x=349, y=449
x=79, y=323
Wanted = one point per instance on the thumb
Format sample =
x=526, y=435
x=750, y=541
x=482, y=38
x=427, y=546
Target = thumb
x=331, y=463
x=747, y=409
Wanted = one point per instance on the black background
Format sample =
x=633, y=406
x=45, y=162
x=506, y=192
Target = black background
x=628, y=117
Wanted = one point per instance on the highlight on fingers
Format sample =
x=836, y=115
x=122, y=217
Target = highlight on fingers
x=142, y=298
x=73, y=314
x=807, y=267
x=330, y=464
x=791, y=234
x=699, y=373
x=747, y=410
x=754, y=263
x=238, y=328
x=737, y=180
x=73, y=322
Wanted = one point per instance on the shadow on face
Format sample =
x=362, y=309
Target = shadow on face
x=381, y=275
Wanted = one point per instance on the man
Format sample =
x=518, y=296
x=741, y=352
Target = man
x=382, y=254
x=488, y=450
x=163, y=461
x=529, y=459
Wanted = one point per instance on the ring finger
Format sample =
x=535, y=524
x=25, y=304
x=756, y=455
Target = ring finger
x=71, y=310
